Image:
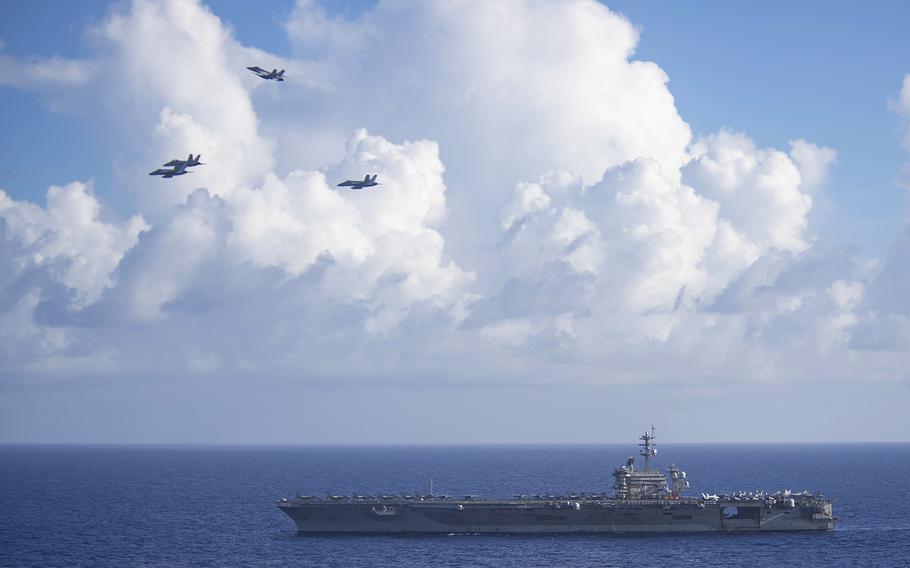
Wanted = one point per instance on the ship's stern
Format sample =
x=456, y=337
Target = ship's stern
x=822, y=515
x=812, y=514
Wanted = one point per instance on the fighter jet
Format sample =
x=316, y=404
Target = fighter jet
x=190, y=161
x=179, y=170
x=367, y=181
x=274, y=74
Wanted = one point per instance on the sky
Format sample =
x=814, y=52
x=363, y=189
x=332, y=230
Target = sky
x=593, y=217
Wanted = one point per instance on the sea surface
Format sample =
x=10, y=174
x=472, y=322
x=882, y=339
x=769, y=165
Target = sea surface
x=215, y=506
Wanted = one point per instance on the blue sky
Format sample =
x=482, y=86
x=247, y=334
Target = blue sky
x=555, y=223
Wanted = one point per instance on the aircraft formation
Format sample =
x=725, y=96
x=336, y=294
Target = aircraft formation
x=179, y=167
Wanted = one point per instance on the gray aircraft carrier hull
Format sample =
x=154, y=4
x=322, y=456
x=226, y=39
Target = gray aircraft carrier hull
x=552, y=517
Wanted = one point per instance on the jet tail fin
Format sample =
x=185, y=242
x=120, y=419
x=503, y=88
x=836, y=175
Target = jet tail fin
x=374, y=177
x=281, y=73
x=366, y=178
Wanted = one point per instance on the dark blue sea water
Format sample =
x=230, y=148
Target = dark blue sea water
x=212, y=506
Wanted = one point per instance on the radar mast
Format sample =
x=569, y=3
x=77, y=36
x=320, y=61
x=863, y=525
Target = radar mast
x=648, y=449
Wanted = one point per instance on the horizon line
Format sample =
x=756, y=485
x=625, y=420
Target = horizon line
x=422, y=444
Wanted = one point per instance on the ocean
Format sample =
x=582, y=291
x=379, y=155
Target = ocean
x=129, y=506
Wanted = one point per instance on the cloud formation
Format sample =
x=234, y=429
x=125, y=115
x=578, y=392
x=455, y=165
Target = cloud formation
x=544, y=212
x=509, y=90
x=42, y=74
x=67, y=239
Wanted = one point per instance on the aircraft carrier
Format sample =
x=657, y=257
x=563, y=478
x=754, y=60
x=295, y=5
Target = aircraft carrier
x=645, y=501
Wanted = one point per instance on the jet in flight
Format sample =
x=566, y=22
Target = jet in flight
x=367, y=181
x=179, y=167
x=178, y=170
x=274, y=74
x=190, y=161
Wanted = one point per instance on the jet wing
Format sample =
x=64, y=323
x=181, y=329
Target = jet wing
x=174, y=163
x=257, y=69
x=160, y=172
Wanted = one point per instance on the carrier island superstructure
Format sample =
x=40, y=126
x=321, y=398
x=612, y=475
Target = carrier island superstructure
x=645, y=500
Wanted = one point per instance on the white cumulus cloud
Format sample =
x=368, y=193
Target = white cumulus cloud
x=68, y=238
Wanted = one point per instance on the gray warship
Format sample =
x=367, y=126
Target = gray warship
x=645, y=501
